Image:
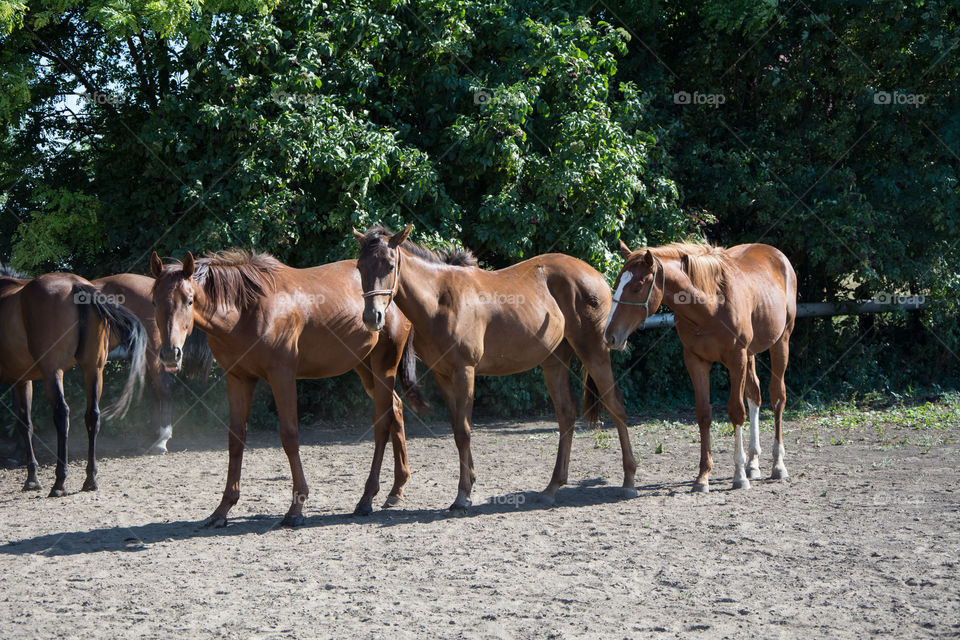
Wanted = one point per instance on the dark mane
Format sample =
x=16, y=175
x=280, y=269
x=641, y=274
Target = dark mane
x=235, y=278
x=9, y=272
x=448, y=255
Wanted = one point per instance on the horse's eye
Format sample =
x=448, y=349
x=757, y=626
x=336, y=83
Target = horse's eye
x=189, y=303
x=390, y=268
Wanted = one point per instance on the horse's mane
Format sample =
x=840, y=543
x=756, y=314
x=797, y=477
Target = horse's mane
x=236, y=277
x=9, y=272
x=707, y=265
x=447, y=255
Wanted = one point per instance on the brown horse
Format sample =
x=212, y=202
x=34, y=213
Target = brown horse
x=49, y=324
x=729, y=305
x=265, y=320
x=135, y=293
x=472, y=322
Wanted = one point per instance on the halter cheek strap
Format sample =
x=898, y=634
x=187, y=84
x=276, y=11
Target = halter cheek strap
x=657, y=266
x=396, y=283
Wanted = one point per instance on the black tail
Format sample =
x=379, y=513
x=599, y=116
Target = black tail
x=408, y=377
x=197, y=357
x=127, y=329
x=591, y=400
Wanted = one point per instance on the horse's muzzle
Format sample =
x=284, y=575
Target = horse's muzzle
x=616, y=341
x=373, y=319
x=171, y=358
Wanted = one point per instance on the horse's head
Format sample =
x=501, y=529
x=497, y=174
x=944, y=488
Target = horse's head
x=639, y=291
x=173, y=295
x=379, y=266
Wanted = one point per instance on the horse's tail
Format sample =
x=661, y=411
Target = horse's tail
x=127, y=329
x=197, y=357
x=408, y=377
x=591, y=400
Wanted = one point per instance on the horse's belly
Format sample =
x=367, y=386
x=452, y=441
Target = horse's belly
x=517, y=348
x=325, y=352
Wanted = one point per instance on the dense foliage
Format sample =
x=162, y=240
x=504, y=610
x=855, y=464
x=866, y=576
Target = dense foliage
x=831, y=130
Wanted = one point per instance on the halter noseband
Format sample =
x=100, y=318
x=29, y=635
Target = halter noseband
x=657, y=266
x=396, y=283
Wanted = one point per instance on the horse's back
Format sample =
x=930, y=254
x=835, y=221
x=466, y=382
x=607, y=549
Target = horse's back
x=132, y=291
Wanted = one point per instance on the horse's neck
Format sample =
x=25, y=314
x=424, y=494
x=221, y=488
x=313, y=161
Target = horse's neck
x=416, y=293
x=684, y=299
x=214, y=321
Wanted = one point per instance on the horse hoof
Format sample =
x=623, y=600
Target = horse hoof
x=214, y=522
x=779, y=474
x=546, y=499
x=700, y=488
x=629, y=492
x=363, y=509
x=157, y=450
x=89, y=485
x=392, y=501
x=753, y=473
x=31, y=485
x=293, y=520
x=57, y=493
x=460, y=505
x=741, y=484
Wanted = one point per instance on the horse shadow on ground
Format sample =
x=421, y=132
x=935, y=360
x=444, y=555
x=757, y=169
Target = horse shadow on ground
x=138, y=538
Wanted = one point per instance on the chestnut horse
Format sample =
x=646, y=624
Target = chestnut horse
x=472, y=322
x=265, y=320
x=51, y=323
x=729, y=304
x=135, y=293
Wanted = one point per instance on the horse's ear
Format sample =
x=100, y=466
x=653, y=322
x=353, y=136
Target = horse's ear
x=624, y=249
x=359, y=236
x=189, y=266
x=156, y=265
x=648, y=258
x=398, y=239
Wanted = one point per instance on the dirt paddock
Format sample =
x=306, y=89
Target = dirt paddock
x=862, y=540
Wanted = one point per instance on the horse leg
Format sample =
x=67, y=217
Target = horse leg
x=597, y=364
x=752, y=391
x=699, y=370
x=240, y=396
x=285, y=395
x=401, y=463
x=53, y=386
x=161, y=413
x=779, y=354
x=381, y=429
x=735, y=409
x=556, y=372
x=93, y=385
x=459, y=396
x=23, y=401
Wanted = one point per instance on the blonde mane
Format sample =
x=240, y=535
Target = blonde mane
x=707, y=265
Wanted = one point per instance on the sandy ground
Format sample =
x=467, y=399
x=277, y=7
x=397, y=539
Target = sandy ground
x=862, y=540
